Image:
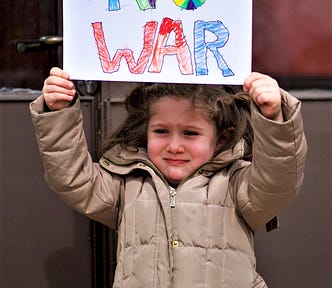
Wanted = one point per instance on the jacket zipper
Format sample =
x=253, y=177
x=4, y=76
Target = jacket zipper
x=172, y=193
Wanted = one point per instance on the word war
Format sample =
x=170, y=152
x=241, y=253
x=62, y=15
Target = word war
x=114, y=5
x=155, y=47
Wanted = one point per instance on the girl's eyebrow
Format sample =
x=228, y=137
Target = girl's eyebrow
x=184, y=127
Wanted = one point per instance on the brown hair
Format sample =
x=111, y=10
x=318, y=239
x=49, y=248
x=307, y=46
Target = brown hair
x=227, y=106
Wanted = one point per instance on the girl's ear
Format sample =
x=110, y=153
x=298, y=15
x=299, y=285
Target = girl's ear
x=224, y=137
x=221, y=142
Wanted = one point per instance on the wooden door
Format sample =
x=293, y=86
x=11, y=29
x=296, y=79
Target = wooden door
x=25, y=22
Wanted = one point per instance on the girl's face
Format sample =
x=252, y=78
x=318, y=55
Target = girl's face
x=180, y=138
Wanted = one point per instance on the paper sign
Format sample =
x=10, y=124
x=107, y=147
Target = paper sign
x=188, y=41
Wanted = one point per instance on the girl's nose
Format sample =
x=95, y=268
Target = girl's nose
x=175, y=145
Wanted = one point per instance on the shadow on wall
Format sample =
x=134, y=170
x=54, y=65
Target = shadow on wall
x=59, y=268
x=43, y=243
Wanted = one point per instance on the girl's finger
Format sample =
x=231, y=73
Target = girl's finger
x=261, y=94
x=56, y=71
x=58, y=81
x=253, y=77
x=54, y=97
x=70, y=90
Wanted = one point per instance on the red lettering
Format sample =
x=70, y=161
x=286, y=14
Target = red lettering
x=110, y=66
x=180, y=49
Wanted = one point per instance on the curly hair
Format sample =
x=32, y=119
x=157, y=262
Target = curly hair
x=227, y=106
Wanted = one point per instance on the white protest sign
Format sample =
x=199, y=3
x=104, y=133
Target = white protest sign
x=188, y=41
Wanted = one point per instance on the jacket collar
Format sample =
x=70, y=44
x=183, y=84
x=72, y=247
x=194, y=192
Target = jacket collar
x=127, y=156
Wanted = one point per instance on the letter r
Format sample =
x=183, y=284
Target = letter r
x=201, y=46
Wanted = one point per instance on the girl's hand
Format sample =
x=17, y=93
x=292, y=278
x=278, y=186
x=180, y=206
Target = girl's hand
x=58, y=89
x=265, y=92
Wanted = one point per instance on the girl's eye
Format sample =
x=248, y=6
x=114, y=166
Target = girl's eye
x=190, y=133
x=160, y=131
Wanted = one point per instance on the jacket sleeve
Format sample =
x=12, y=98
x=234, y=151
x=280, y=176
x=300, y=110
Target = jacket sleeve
x=69, y=169
x=276, y=174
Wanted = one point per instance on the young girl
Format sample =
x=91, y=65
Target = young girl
x=188, y=177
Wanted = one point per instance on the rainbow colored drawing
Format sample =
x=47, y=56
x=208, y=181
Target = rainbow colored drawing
x=189, y=4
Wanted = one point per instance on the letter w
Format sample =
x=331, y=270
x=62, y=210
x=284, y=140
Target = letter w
x=110, y=66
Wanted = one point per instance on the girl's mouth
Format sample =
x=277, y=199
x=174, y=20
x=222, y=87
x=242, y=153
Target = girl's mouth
x=176, y=161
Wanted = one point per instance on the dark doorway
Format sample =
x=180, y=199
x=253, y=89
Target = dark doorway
x=26, y=22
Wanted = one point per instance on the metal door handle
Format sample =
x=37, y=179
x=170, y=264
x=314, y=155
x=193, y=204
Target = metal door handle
x=43, y=43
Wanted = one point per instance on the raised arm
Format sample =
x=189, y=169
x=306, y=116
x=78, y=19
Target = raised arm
x=69, y=169
x=279, y=151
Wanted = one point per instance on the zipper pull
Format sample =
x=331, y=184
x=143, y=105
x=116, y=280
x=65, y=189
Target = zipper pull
x=172, y=193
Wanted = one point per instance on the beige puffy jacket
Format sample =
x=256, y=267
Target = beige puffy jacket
x=206, y=240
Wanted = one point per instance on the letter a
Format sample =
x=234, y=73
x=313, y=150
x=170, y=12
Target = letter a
x=180, y=49
x=217, y=28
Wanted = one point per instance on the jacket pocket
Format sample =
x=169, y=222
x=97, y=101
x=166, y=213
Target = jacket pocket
x=146, y=221
x=141, y=218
